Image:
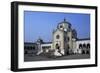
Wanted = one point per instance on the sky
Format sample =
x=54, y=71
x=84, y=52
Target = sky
x=41, y=24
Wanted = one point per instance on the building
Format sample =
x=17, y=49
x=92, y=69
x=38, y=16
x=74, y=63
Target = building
x=64, y=38
x=30, y=48
x=64, y=42
x=83, y=46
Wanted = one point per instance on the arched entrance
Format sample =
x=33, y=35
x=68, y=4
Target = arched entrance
x=57, y=46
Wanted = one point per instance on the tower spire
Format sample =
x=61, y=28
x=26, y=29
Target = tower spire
x=64, y=20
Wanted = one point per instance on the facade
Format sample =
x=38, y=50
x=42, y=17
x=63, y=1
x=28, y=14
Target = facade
x=83, y=46
x=64, y=42
x=64, y=38
x=30, y=48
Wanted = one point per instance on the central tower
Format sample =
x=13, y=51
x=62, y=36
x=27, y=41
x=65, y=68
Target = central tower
x=60, y=37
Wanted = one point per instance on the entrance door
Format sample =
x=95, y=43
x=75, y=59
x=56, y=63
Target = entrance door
x=57, y=46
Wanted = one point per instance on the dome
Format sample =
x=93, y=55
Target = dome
x=39, y=40
x=64, y=25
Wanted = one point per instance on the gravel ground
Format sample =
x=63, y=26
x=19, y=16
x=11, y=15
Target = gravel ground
x=28, y=58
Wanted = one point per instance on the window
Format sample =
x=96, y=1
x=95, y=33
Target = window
x=68, y=46
x=25, y=52
x=57, y=36
x=33, y=47
x=61, y=26
x=65, y=39
x=25, y=47
x=88, y=46
x=57, y=46
x=87, y=52
x=83, y=52
x=80, y=46
x=68, y=38
x=84, y=45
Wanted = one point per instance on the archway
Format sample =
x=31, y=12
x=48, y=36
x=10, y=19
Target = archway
x=84, y=45
x=88, y=46
x=57, y=46
x=80, y=46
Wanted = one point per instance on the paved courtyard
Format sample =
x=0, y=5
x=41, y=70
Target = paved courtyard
x=28, y=58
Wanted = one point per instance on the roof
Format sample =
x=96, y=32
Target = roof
x=64, y=21
x=29, y=43
x=59, y=30
x=46, y=42
x=83, y=39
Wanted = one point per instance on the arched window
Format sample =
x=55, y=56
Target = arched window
x=61, y=26
x=88, y=46
x=83, y=52
x=57, y=46
x=68, y=38
x=87, y=52
x=28, y=47
x=25, y=52
x=25, y=47
x=80, y=46
x=33, y=47
x=84, y=45
x=57, y=36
